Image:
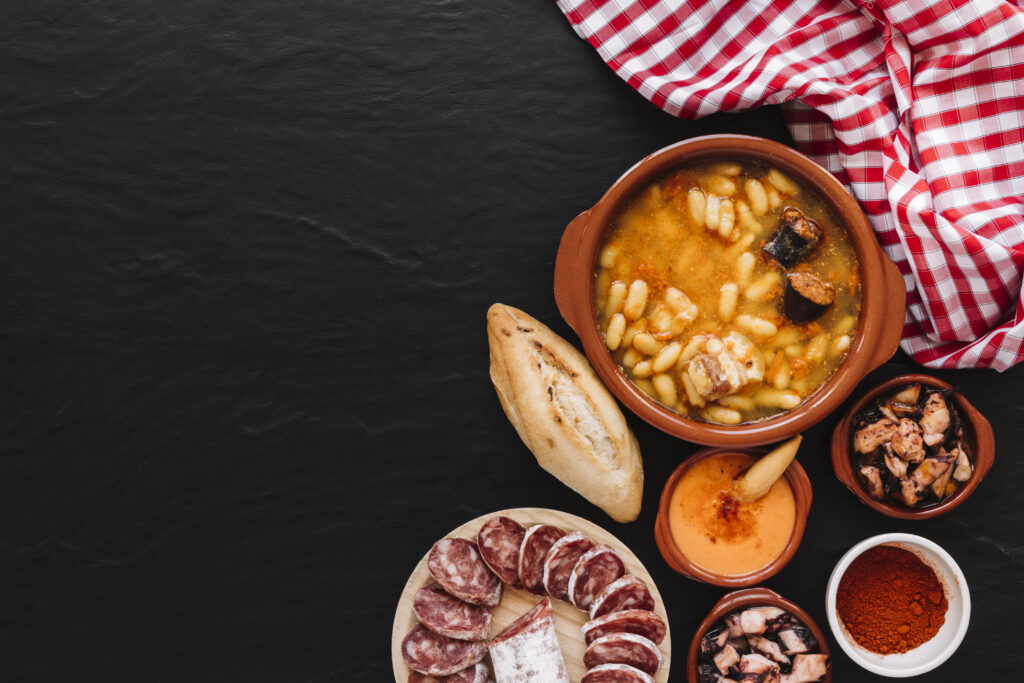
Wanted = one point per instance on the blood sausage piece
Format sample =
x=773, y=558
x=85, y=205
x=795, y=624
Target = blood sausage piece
x=593, y=571
x=528, y=649
x=560, y=560
x=499, y=541
x=536, y=543
x=628, y=592
x=478, y=673
x=624, y=648
x=444, y=613
x=616, y=673
x=455, y=563
x=641, y=622
x=432, y=654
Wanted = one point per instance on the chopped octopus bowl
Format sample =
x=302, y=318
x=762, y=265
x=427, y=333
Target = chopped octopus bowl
x=977, y=435
x=932, y=653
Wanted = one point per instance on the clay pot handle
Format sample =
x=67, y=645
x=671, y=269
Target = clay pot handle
x=895, y=313
x=568, y=264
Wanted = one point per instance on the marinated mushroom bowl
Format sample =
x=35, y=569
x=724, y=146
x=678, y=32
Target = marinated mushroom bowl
x=729, y=291
x=708, y=536
x=912, y=447
x=756, y=634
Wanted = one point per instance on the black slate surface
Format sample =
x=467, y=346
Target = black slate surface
x=246, y=253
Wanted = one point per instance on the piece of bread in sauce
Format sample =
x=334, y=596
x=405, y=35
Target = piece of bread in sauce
x=563, y=413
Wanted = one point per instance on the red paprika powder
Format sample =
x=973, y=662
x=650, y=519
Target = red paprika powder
x=890, y=601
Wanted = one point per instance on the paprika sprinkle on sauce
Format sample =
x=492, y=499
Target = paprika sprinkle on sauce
x=890, y=601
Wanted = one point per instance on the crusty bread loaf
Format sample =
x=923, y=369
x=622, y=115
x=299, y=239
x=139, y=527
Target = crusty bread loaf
x=563, y=412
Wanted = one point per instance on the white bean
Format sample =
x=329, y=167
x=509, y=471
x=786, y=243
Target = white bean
x=721, y=186
x=645, y=343
x=816, y=348
x=691, y=349
x=745, y=267
x=727, y=168
x=631, y=331
x=667, y=357
x=841, y=345
x=616, y=297
x=722, y=415
x=782, y=376
x=846, y=324
x=714, y=346
x=800, y=386
x=737, y=402
x=677, y=300
x=630, y=358
x=646, y=387
x=730, y=293
x=698, y=203
x=692, y=396
x=642, y=369
x=608, y=255
x=666, y=389
x=773, y=197
x=616, y=328
x=711, y=213
x=782, y=183
x=759, y=327
x=636, y=299
x=773, y=398
x=787, y=335
x=760, y=288
x=757, y=196
x=794, y=351
x=745, y=219
x=726, y=218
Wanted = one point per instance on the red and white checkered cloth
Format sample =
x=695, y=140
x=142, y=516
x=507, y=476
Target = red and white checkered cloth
x=917, y=106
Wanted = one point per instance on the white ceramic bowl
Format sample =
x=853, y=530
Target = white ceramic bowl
x=932, y=653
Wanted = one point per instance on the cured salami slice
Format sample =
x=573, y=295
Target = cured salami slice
x=456, y=564
x=477, y=673
x=432, y=654
x=624, y=648
x=444, y=613
x=499, y=541
x=615, y=673
x=536, y=543
x=641, y=622
x=628, y=592
x=528, y=649
x=593, y=571
x=560, y=560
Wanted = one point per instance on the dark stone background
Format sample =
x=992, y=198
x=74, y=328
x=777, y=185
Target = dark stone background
x=246, y=252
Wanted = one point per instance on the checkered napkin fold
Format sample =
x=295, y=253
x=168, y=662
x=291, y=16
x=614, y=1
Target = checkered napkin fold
x=917, y=106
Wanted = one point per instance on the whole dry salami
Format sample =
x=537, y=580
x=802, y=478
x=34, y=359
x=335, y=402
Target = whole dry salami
x=477, y=673
x=456, y=564
x=593, y=571
x=444, y=613
x=536, y=543
x=499, y=541
x=528, y=650
x=435, y=655
x=615, y=673
x=560, y=560
x=641, y=622
x=624, y=648
x=628, y=592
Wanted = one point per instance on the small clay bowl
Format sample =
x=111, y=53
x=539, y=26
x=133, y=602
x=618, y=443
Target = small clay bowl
x=883, y=293
x=802, y=495
x=977, y=434
x=738, y=600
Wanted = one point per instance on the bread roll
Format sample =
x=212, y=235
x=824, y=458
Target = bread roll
x=563, y=413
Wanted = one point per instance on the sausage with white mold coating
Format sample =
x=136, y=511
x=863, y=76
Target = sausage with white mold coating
x=806, y=297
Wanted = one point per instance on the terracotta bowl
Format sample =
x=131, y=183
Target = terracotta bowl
x=750, y=597
x=882, y=308
x=977, y=434
x=675, y=558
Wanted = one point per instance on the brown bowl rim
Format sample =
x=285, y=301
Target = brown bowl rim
x=803, y=496
x=977, y=432
x=746, y=598
x=878, y=321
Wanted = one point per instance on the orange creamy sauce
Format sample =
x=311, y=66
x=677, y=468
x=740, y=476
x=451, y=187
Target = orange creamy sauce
x=720, y=534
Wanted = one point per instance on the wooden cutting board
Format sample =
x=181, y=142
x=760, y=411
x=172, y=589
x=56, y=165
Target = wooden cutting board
x=515, y=602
